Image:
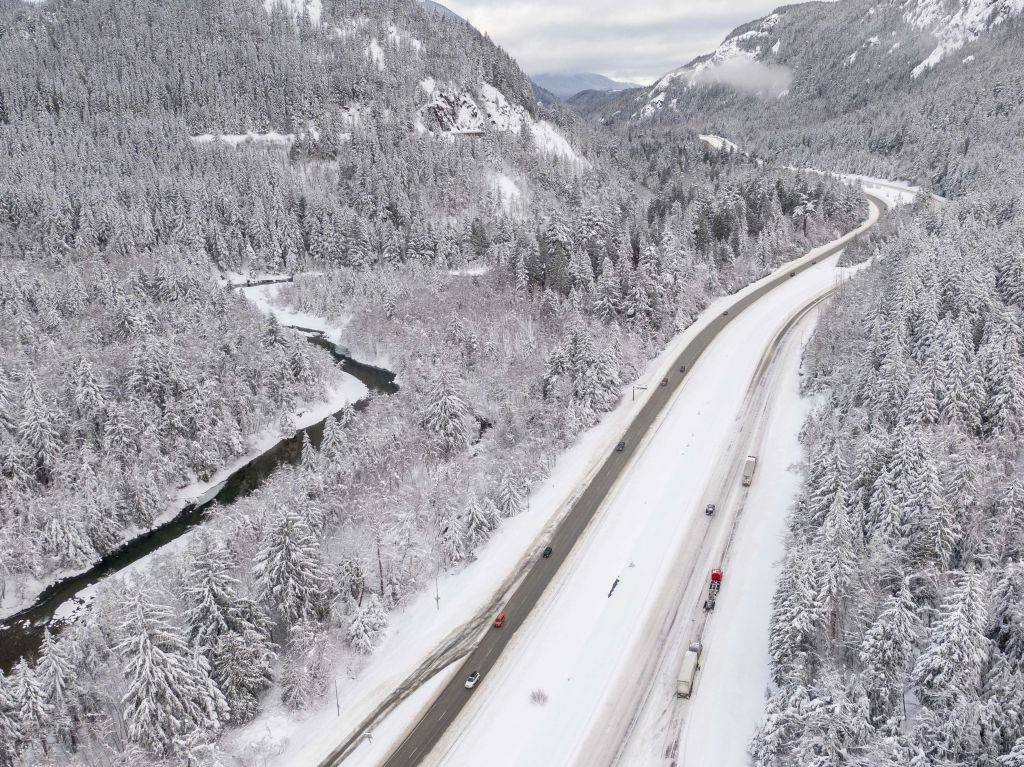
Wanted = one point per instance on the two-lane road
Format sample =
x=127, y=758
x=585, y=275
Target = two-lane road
x=450, y=701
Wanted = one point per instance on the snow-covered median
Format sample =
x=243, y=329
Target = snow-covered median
x=584, y=648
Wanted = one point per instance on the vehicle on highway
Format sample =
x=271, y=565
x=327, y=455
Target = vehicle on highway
x=547, y=552
x=713, y=589
x=499, y=621
x=748, y=470
x=710, y=509
x=688, y=670
x=664, y=382
x=792, y=274
x=682, y=368
x=621, y=446
x=472, y=679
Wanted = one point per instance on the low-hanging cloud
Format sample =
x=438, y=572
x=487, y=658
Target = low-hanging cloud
x=746, y=75
x=637, y=41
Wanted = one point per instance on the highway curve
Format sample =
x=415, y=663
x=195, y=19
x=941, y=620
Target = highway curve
x=450, y=701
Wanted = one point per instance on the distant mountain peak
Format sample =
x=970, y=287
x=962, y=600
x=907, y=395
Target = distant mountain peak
x=564, y=85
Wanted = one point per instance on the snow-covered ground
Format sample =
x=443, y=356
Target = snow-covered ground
x=717, y=142
x=587, y=650
x=346, y=391
x=234, y=139
x=422, y=625
x=312, y=8
x=263, y=297
x=734, y=664
x=957, y=24
x=470, y=271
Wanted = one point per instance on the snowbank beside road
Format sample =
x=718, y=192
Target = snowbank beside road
x=589, y=650
x=580, y=645
x=734, y=673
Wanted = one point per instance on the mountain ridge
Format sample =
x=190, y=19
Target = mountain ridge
x=565, y=85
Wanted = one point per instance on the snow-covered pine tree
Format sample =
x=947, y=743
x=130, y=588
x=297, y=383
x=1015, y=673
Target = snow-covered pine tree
x=510, y=495
x=949, y=670
x=29, y=698
x=289, y=572
x=307, y=668
x=886, y=652
x=58, y=676
x=208, y=589
x=11, y=733
x=169, y=692
x=446, y=414
x=481, y=519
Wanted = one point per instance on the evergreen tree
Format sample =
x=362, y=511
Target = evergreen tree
x=29, y=698
x=11, y=732
x=949, y=670
x=289, y=573
x=607, y=296
x=510, y=495
x=58, y=677
x=447, y=415
x=241, y=665
x=170, y=694
x=481, y=519
x=886, y=652
x=307, y=668
x=208, y=590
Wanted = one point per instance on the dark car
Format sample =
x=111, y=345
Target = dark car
x=709, y=509
x=725, y=313
x=664, y=382
x=792, y=274
x=621, y=446
x=682, y=368
x=547, y=552
x=472, y=679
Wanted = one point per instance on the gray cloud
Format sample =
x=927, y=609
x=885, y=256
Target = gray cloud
x=637, y=41
x=748, y=75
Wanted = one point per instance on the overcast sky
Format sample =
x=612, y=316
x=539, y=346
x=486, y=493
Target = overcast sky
x=634, y=40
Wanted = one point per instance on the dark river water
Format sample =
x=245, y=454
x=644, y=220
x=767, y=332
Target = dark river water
x=22, y=633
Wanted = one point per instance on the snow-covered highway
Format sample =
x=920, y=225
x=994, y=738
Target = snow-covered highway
x=644, y=528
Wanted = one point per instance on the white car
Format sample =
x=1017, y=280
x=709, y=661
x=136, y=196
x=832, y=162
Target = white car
x=472, y=679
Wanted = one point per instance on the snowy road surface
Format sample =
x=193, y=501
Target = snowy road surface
x=642, y=523
x=587, y=650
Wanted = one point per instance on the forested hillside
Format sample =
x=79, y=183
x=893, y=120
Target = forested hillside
x=921, y=90
x=380, y=148
x=896, y=629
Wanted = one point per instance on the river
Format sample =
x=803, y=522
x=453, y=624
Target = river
x=21, y=634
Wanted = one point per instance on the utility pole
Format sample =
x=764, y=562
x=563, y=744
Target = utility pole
x=437, y=594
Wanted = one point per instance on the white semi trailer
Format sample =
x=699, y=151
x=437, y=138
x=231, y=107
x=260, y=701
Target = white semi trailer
x=688, y=671
x=748, y=470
